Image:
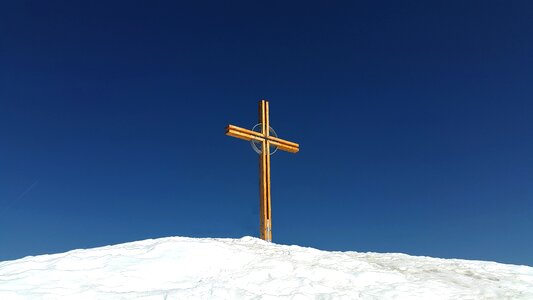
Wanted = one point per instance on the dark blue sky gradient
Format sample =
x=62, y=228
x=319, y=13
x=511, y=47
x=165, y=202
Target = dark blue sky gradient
x=414, y=120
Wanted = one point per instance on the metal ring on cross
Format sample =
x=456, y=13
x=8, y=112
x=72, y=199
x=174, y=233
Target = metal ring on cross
x=257, y=146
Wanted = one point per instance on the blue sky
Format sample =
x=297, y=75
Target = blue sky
x=414, y=121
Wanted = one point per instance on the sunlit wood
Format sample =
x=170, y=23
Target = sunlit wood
x=264, y=179
x=281, y=141
x=267, y=141
x=284, y=147
x=244, y=136
x=244, y=130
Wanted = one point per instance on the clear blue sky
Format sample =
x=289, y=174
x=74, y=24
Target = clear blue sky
x=414, y=121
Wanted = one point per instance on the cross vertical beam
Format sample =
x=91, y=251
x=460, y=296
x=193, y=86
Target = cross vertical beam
x=265, y=213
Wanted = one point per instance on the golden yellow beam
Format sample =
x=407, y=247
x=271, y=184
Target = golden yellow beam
x=248, y=135
x=265, y=221
x=243, y=135
x=281, y=141
x=284, y=147
x=244, y=130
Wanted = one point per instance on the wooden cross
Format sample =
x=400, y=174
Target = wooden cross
x=266, y=140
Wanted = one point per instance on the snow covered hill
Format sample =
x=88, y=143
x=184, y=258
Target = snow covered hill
x=249, y=268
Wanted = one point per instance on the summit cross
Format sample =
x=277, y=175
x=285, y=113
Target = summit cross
x=262, y=141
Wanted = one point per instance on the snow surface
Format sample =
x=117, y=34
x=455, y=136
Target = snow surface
x=249, y=268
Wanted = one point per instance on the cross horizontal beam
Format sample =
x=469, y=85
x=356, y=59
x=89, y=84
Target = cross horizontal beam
x=249, y=135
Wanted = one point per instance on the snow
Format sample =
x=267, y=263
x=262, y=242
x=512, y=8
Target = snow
x=249, y=268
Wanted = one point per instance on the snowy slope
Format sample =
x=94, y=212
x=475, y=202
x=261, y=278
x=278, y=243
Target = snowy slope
x=249, y=268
